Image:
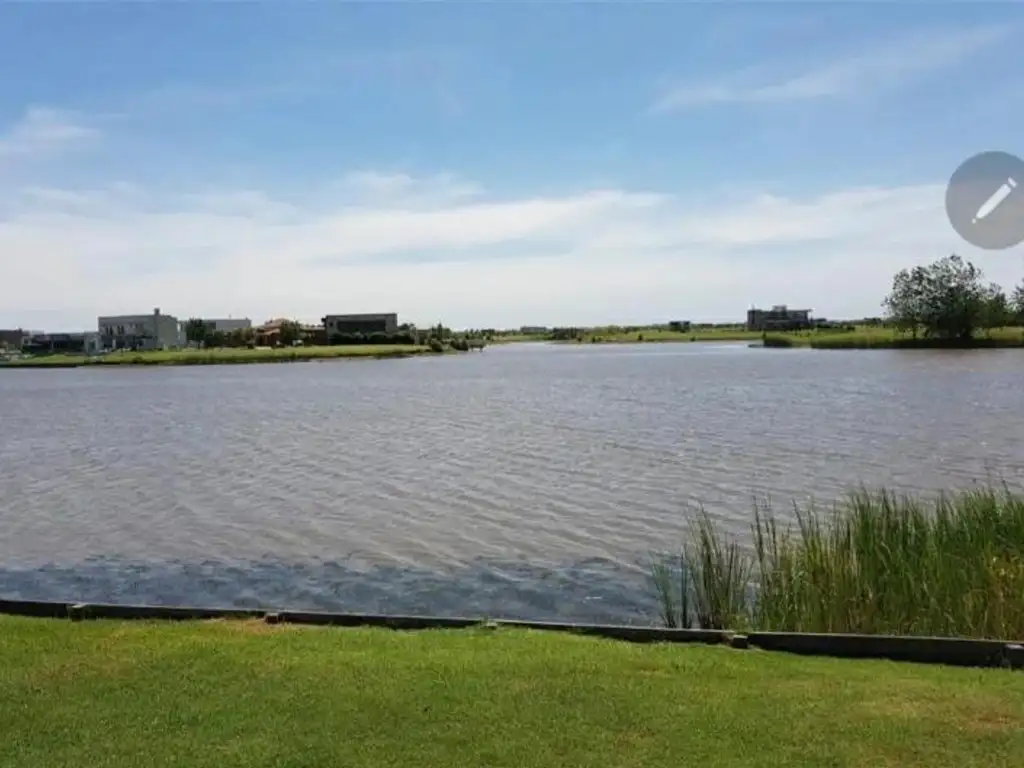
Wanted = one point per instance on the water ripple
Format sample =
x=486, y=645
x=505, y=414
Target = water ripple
x=494, y=470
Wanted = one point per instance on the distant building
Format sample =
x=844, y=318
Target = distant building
x=269, y=334
x=385, y=323
x=229, y=324
x=778, y=318
x=145, y=332
x=85, y=342
x=533, y=330
x=682, y=326
x=13, y=339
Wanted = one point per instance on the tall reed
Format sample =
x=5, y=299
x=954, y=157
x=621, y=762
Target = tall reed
x=877, y=562
x=713, y=575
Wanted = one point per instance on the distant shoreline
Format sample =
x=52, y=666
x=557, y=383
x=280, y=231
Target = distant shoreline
x=859, y=338
x=224, y=356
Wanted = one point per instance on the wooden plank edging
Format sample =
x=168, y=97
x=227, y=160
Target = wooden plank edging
x=929, y=650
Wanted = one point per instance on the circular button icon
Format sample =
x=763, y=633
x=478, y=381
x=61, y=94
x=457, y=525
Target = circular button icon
x=985, y=200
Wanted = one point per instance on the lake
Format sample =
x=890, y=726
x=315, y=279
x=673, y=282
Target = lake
x=529, y=481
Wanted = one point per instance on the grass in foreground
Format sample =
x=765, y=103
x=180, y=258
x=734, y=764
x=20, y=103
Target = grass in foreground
x=878, y=563
x=224, y=694
x=222, y=355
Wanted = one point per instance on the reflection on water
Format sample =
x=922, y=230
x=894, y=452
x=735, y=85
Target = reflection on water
x=465, y=484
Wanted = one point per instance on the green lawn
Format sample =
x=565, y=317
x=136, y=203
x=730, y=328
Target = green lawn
x=240, y=693
x=223, y=355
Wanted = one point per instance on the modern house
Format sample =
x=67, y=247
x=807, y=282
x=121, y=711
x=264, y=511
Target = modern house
x=385, y=323
x=13, y=338
x=84, y=342
x=778, y=318
x=227, y=325
x=144, y=332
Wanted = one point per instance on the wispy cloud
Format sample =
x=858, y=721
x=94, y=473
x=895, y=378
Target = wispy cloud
x=889, y=65
x=45, y=130
x=406, y=191
x=488, y=259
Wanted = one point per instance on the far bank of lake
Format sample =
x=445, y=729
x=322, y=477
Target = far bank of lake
x=859, y=337
x=225, y=356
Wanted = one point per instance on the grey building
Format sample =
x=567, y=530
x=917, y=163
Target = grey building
x=778, y=318
x=155, y=331
x=227, y=325
x=13, y=338
x=384, y=323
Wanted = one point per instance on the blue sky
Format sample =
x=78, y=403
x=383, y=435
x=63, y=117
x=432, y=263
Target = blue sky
x=489, y=164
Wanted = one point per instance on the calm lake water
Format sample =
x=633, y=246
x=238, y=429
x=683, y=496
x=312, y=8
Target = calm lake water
x=528, y=481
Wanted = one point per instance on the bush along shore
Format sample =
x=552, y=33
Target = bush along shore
x=877, y=563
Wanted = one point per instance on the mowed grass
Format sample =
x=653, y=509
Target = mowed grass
x=236, y=693
x=223, y=355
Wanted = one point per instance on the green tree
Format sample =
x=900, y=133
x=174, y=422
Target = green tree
x=196, y=330
x=239, y=337
x=905, y=304
x=291, y=332
x=996, y=311
x=946, y=299
x=1017, y=304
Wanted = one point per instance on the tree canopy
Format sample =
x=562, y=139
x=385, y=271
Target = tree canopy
x=950, y=300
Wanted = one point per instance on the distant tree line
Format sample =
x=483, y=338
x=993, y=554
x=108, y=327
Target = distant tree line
x=950, y=300
x=198, y=331
x=438, y=337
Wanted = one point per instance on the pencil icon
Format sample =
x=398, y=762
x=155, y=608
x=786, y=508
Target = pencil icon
x=996, y=200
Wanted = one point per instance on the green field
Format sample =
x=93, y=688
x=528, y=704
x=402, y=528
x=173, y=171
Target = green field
x=865, y=337
x=222, y=355
x=237, y=693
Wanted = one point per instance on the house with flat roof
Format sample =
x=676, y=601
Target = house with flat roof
x=778, y=318
x=383, y=323
x=77, y=342
x=143, y=332
x=13, y=338
x=228, y=324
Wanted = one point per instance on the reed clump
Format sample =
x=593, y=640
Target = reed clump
x=876, y=563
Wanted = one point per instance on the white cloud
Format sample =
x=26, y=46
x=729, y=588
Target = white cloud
x=402, y=189
x=44, y=130
x=600, y=255
x=885, y=65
